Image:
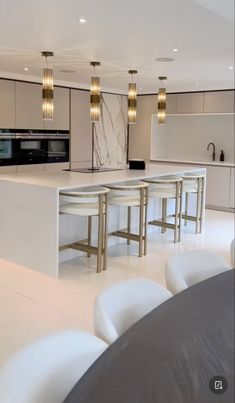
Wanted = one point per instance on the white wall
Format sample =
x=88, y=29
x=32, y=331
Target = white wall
x=186, y=137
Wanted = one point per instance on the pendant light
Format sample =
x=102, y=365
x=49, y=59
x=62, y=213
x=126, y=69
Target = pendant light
x=132, y=99
x=95, y=95
x=161, y=99
x=47, y=90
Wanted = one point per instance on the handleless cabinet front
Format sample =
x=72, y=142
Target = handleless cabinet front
x=7, y=104
x=190, y=103
x=219, y=102
x=217, y=187
x=29, y=106
x=80, y=127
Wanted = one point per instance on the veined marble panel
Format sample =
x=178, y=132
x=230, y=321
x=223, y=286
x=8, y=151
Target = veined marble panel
x=111, y=132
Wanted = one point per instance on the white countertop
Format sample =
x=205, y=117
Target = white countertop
x=68, y=180
x=193, y=162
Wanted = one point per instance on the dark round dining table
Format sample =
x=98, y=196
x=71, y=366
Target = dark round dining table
x=172, y=354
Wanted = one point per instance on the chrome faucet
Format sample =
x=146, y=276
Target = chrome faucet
x=208, y=147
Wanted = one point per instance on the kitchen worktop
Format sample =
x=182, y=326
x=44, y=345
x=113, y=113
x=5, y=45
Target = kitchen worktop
x=195, y=162
x=68, y=180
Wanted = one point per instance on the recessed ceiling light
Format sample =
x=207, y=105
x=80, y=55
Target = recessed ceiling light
x=197, y=85
x=82, y=20
x=230, y=67
x=26, y=69
x=175, y=50
x=164, y=59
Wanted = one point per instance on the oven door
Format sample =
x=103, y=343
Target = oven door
x=7, y=154
x=30, y=151
x=57, y=150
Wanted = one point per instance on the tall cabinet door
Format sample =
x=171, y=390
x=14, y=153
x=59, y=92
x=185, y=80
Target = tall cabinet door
x=80, y=128
x=217, y=186
x=29, y=106
x=61, y=111
x=232, y=190
x=7, y=104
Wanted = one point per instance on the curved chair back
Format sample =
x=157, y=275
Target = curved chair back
x=164, y=187
x=118, y=307
x=188, y=268
x=83, y=195
x=127, y=192
x=47, y=370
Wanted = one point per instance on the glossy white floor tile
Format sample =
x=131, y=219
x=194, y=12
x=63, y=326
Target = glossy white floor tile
x=33, y=305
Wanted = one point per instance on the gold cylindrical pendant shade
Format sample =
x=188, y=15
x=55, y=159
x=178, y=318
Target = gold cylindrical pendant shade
x=132, y=103
x=95, y=99
x=47, y=94
x=161, y=114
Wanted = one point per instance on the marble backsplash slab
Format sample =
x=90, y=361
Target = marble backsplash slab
x=111, y=132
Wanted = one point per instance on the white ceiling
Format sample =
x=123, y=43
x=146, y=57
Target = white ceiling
x=122, y=35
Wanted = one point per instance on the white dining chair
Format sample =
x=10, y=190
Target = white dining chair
x=47, y=370
x=118, y=307
x=232, y=253
x=188, y=268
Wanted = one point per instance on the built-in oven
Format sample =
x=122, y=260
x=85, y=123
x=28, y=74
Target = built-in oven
x=7, y=149
x=30, y=149
x=57, y=148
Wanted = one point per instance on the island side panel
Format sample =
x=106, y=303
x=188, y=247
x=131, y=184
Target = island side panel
x=29, y=226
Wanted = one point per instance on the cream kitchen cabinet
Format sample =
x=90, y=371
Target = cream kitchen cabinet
x=30, y=168
x=29, y=106
x=80, y=126
x=232, y=190
x=7, y=170
x=57, y=167
x=171, y=103
x=218, y=187
x=61, y=111
x=219, y=102
x=7, y=104
x=190, y=102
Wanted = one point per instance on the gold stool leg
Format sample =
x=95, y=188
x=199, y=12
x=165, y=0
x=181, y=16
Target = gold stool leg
x=176, y=213
x=100, y=234
x=105, y=236
x=202, y=203
x=186, y=208
x=89, y=232
x=145, y=221
x=198, y=206
x=141, y=217
x=180, y=212
x=165, y=213
x=162, y=214
x=128, y=223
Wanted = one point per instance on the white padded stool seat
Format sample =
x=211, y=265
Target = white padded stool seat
x=188, y=268
x=118, y=307
x=47, y=370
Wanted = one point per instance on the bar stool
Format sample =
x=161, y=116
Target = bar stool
x=194, y=183
x=165, y=188
x=131, y=194
x=91, y=201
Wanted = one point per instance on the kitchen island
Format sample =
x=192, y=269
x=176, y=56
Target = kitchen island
x=31, y=229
